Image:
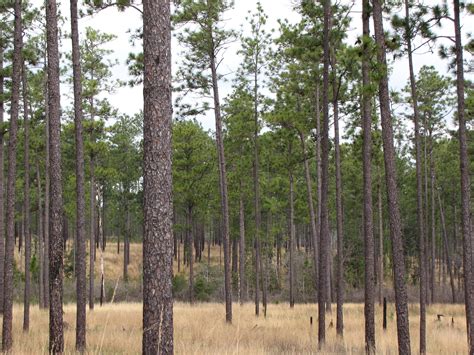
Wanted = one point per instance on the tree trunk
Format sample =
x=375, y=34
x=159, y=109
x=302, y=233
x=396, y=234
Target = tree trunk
x=292, y=241
x=419, y=182
x=56, y=245
x=432, y=219
x=465, y=183
x=26, y=202
x=401, y=298
x=241, y=248
x=126, y=242
x=339, y=208
x=324, y=222
x=41, y=289
x=190, y=238
x=7, y=336
x=157, y=180
x=92, y=234
x=2, y=177
x=380, y=272
x=446, y=249
x=369, y=311
x=223, y=189
x=47, y=196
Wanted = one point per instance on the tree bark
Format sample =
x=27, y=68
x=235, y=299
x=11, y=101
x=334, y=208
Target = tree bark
x=92, y=235
x=324, y=222
x=223, y=189
x=81, y=277
x=26, y=203
x=157, y=180
x=7, y=336
x=190, y=239
x=401, y=298
x=369, y=311
x=419, y=182
x=56, y=245
x=241, y=248
x=292, y=242
x=41, y=289
x=432, y=219
x=2, y=177
x=465, y=183
x=380, y=272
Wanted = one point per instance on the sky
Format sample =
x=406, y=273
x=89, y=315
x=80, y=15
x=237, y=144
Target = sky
x=130, y=100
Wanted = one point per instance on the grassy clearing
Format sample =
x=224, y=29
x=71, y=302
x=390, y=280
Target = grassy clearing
x=201, y=329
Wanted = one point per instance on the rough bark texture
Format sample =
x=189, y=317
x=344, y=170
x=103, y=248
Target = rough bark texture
x=324, y=220
x=419, y=182
x=47, y=198
x=26, y=203
x=2, y=163
x=80, y=263
x=7, y=336
x=401, y=299
x=56, y=244
x=369, y=247
x=465, y=184
x=157, y=180
x=223, y=189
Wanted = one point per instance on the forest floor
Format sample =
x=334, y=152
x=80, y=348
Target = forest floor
x=201, y=329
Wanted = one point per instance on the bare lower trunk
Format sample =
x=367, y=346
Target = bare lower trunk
x=380, y=273
x=190, y=238
x=157, y=180
x=2, y=176
x=7, y=336
x=401, y=298
x=291, y=243
x=241, y=249
x=92, y=235
x=41, y=289
x=369, y=246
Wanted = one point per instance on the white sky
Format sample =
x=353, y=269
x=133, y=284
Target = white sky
x=130, y=101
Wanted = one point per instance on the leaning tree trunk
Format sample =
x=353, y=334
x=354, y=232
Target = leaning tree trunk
x=2, y=164
x=223, y=190
x=157, y=180
x=419, y=182
x=401, y=298
x=446, y=250
x=81, y=293
x=465, y=183
x=56, y=245
x=369, y=246
x=26, y=203
x=324, y=221
x=7, y=336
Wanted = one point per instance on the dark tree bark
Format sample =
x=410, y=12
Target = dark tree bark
x=419, y=181
x=2, y=164
x=339, y=208
x=380, y=273
x=432, y=219
x=157, y=180
x=80, y=264
x=369, y=247
x=47, y=196
x=291, y=226
x=223, y=189
x=7, y=336
x=401, y=298
x=26, y=203
x=241, y=248
x=56, y=245
x=324, y=222
x=41, y=289
x=465, y=183
x=190, y=239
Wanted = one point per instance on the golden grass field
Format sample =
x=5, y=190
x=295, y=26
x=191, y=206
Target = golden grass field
x=201, y=329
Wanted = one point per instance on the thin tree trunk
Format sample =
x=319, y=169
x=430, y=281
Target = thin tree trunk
x=401, y=298
x=26, y=202
x=292, y=241
x=157, y=180
x=92, y=235
x=369, y=311
x=223, y=189
x=56, y=244
x=324, y=222
x=241, y=248
x=190, y=238
x=446, y=249
x=380, y=273
x=7, y=336
x=41, y=289
x=465, y=183
x=126, y=242
x=339, y=208
x=419, y=182
x=47, y=197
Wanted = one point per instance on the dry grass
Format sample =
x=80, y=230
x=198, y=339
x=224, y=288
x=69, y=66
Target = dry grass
x=200, y=329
